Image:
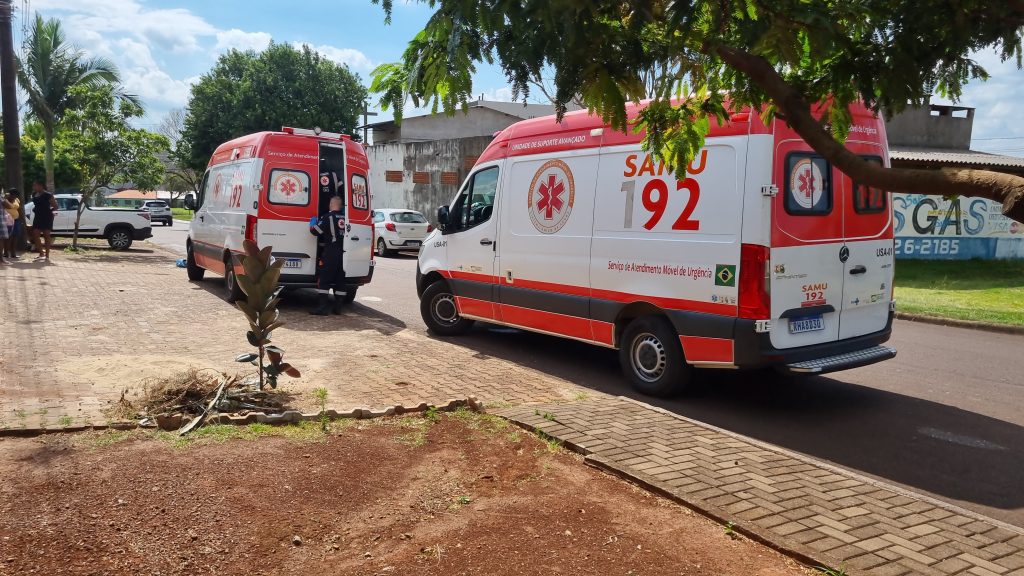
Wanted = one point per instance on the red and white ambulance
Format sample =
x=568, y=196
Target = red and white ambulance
x=267, y=187
x=760, y=254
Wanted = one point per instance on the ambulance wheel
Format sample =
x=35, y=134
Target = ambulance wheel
x=195, y=273
x=234, y=291
x=350, y=295
x=652, y=357
x=437, y=307
x=382, y=249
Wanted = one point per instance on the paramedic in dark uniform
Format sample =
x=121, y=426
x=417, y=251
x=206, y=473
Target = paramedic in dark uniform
x=330, y=232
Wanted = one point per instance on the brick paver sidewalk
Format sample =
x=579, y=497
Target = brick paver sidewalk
x=825, y=514
x=77, y=333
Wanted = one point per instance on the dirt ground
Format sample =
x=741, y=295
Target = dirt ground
x=452, y=494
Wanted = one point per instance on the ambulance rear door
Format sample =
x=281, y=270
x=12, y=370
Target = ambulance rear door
x=808, y=252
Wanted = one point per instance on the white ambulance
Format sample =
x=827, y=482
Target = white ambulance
x=267, y=187
x=760, y=254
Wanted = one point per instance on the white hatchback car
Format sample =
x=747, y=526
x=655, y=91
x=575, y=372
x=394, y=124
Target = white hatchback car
x=399, y=229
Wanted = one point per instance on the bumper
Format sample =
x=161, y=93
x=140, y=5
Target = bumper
x=142, y=233
x=404, y=244
x=309, y=280
x=754, y=350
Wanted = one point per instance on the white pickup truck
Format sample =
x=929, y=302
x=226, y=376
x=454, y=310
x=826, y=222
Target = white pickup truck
x=120, y=226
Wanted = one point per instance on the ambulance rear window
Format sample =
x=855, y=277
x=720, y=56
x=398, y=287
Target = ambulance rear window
x=288, y=187
x=868, y=200
x=808, y=185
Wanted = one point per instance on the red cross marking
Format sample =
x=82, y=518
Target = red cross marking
x=551, y=197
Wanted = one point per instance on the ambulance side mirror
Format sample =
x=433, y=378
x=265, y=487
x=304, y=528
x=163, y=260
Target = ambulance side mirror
x=442, y=218
x=190, y=202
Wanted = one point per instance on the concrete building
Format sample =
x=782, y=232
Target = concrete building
x=483, y=118
x=932, y=227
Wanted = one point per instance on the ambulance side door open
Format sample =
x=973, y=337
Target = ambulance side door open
x=470, y=232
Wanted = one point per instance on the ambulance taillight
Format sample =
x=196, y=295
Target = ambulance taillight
x=250, y=227
x=754, y=299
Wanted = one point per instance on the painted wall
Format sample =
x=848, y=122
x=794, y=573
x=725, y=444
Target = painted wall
x=934, y=228
x=476, y=122
x=431, y=158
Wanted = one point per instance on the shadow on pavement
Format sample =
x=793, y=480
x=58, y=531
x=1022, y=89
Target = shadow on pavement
x=296, y=304
x=931, y=447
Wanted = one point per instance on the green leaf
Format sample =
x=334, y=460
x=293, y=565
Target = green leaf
x=253, y=339
x=248, y=357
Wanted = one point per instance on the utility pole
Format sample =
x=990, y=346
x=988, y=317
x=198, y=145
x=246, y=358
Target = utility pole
x=9, y=100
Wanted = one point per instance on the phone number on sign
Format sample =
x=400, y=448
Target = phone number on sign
x=925, y=246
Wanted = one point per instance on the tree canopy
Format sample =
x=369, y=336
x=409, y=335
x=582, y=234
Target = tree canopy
x=248, y=92
x=781, y=57
x=106, y=148
x=53, y=73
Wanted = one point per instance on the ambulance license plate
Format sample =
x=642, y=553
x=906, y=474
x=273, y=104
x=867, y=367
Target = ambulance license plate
x=806, y=324
x=293, y=263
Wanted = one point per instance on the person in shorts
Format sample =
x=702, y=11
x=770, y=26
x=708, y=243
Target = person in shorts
x=44, y=207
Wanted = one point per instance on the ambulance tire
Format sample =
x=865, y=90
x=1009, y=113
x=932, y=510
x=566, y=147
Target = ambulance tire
x=437, y=307
x=195, y=273
x=350, y=295
x=233, y=292
x=652, y=357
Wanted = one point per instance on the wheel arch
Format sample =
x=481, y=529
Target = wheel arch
x=631, y=312
x=114, y=226
x=424, y=280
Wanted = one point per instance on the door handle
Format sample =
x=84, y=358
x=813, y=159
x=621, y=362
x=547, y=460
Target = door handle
x=859, y=269
x=486, y=242
x=355, y=238
x=202, y=218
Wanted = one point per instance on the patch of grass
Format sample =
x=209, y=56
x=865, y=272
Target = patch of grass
x=729, y=529
x=553, y=444
x=21, y=414
x=65, y=421
x=181, y=214
x=107, y=438
x=432, y=414
x=580, y=396
x=545, y=415
x=416, y=431
x=463, y=500
x=978, y=290
x=841, y=571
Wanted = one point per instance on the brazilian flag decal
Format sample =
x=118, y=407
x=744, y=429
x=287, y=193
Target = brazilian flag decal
x=725, y=275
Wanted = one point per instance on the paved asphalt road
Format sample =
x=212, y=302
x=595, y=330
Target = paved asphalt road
x=945, y=417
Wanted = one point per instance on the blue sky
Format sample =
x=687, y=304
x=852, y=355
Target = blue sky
x=162, y=46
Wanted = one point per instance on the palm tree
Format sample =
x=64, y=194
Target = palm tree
x=50, y=69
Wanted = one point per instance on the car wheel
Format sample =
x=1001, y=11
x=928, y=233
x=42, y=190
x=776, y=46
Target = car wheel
x=234, y=291
x=652, y=357
x=120, y=238
x=350, y=295
x=169, y=222
x=195, y=273
x=439, y=312
x=382, y=248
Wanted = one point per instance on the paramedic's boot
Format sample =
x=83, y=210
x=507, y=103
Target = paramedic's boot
x=339, y=302
x=323, y=305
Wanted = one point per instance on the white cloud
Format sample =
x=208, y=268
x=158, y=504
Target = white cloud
x=130, y=33
x=242, y=40
x=995, y=102
x=355, y=59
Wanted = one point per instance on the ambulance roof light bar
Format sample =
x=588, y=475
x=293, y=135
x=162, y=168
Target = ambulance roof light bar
x=314, y=132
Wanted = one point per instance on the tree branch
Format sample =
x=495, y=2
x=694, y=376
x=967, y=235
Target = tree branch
x=1006, y=189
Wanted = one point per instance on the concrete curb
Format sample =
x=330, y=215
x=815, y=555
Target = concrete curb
x=970, y=324
x=172, y=424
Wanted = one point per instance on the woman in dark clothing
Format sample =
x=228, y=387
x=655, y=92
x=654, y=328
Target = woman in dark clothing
x=43, y=207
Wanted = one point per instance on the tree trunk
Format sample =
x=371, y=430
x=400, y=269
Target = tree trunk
x=48, y=157
x=1006, y=189
x=78, y=221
